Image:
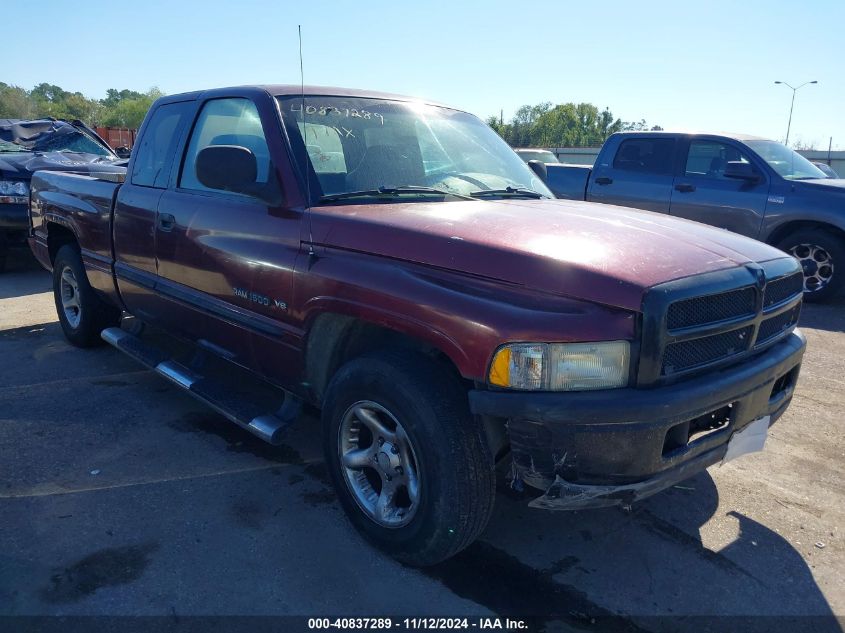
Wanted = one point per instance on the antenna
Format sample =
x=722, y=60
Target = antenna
x=305, y=145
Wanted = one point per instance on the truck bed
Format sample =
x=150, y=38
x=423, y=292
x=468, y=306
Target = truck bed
x=81, y=204
x=568, y=181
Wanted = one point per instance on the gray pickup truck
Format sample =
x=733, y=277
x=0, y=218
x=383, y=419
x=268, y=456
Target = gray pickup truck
x=749, y=185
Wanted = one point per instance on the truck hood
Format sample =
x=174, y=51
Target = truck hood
x=595, y=252
x=816, y=184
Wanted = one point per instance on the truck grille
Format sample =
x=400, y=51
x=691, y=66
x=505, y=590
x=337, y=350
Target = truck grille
x=775, y=325
x=781, y=289
x=711, y=308
x=732, y=318
x=705, y=350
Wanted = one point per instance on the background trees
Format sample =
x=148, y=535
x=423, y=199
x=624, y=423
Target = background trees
x=120, y=108
x=563, y=125
x=541, y=125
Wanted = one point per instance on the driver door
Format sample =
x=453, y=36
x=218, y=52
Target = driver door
x=702, y=193
x=226, y=259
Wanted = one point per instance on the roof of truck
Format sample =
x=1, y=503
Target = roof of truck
x=730, y=135
x=284, y=90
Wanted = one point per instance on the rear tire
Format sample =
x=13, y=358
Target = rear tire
x=428, y=432
x=822, y=256
x=82, y=313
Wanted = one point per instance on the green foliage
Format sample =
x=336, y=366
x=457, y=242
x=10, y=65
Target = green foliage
x=563, y=125
x=120, y=108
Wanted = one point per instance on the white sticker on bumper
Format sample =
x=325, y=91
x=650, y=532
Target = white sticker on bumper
x=749, y=440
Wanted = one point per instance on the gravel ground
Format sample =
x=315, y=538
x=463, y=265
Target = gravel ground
x=119, y=495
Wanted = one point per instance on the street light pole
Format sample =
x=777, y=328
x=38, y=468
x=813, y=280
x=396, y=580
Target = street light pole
x=792, y=105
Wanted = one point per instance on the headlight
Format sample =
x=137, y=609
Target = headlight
x=561, y=366
x=13, y=188
x=13, y=192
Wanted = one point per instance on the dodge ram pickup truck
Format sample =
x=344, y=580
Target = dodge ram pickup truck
x=396, y=265
x=744, y=184
x=26, y=147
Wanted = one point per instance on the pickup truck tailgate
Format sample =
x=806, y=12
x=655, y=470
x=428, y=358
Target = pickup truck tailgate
x=568, y=182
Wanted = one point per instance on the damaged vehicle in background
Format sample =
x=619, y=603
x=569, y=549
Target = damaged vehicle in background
x=27, y=146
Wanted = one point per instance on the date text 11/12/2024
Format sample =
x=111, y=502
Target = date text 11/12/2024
x=409, y=624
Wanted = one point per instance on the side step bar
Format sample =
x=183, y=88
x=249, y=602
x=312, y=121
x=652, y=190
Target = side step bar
x=270, y=427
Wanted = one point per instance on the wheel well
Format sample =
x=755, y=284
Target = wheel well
x=58, y=236
x=782, y=232
x=334, y=339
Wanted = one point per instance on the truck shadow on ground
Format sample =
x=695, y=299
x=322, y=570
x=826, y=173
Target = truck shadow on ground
x=645, y=569
x=23, y=275
x=824, y=316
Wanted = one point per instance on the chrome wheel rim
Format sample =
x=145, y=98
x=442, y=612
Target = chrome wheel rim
x=817, y=265
x=379, y=464
x=69, y=293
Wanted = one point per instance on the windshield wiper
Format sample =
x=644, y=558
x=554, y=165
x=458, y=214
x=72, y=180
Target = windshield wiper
x=512, y=192
x=392, y=192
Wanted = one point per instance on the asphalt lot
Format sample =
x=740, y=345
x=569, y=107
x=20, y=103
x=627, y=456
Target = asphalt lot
x=120, y=495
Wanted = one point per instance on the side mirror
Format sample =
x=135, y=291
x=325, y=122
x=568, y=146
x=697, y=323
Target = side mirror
x=539, y=168
x=227, y=167
x=741, y=171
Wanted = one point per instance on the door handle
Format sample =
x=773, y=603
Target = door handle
x=685, y=188
x=604, y=180
x=166, y=222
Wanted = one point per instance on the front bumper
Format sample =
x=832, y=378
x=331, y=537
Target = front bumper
x=612, y=447
x=13, y=217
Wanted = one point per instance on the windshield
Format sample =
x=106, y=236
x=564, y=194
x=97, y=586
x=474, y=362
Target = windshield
x=384, y=148
x=546, y=157
x=786, y=162
x=74, y=142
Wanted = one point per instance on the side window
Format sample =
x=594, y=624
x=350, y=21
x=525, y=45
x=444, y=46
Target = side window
x=649, y=155
x=709, y=158
x=226, y=122
x=154, y=154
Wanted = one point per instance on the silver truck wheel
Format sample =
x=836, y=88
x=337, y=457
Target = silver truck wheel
x=816, y=263
x=69, y=292
x=379, y=464
x=821, y=254
x=409, y=462
x=82, y=314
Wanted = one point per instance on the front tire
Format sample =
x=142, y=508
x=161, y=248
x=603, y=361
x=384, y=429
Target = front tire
x=408, y=460
x=822, y=257
x=82, y=313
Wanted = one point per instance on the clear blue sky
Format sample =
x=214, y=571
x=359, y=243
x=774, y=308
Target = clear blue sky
x=697, y=66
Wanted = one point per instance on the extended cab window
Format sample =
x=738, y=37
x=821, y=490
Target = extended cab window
x=232, y=121
x=709, y=158
x=154, y=154
x=649, y=155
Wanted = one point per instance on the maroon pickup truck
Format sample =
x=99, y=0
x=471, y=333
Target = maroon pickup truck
x=396, y=265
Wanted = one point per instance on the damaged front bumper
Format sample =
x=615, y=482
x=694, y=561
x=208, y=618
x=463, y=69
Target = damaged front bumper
x=602, y=448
